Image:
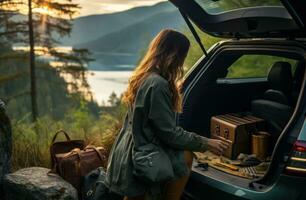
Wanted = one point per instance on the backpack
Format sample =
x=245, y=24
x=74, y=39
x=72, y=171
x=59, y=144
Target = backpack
x=94, y=188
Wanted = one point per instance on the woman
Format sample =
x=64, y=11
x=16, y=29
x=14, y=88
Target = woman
x=153, y=98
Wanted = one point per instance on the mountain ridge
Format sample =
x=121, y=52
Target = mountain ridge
x=91, y=27
x=127, y=37
x=156, y=25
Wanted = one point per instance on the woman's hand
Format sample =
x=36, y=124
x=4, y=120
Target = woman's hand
x=217, y=146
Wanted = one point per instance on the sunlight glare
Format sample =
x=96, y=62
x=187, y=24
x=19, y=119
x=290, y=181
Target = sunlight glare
x=43, y=11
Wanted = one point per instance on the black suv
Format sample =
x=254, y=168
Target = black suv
x=260, y=68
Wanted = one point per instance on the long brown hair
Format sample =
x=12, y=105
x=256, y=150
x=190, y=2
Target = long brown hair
x=165, y=56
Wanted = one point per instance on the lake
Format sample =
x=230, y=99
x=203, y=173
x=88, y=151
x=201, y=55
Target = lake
x=103, y=83
x=107, y=74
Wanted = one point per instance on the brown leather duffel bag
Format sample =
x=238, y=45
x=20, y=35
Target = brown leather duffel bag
x=76, y=164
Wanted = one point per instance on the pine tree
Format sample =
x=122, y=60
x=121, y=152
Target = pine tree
x=45, y=21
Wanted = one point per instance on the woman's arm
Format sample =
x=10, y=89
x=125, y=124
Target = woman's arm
x=162, y=119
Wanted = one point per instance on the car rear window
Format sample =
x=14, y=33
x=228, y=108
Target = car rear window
x=256, y=66
x=219, y=6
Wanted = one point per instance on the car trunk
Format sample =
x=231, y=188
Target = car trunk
x=210, y=94
x=205, y=97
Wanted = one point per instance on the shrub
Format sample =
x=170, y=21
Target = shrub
x=31, y=142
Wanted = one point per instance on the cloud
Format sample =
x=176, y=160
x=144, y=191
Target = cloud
x=109, y=6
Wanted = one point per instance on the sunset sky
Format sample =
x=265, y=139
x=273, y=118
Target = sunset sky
x=90, y=7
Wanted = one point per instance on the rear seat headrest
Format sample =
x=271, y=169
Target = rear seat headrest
x=280, y=77
x=276, y=96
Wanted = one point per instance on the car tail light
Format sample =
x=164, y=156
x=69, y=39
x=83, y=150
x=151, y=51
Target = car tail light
x=297, y=160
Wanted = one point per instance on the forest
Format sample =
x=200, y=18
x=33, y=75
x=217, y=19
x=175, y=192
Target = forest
x=40, y=97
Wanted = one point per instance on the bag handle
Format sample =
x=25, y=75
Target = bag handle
x=60, y=131
x=78, y=164
x=102, y=158
x=77, y=151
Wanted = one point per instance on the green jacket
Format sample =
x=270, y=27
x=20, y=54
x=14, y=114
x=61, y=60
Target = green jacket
x=154, y=118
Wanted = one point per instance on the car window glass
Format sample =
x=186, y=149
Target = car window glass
x=255, y=66
x=219, y=6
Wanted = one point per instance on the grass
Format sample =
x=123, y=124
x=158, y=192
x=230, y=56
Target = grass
x=31, y=142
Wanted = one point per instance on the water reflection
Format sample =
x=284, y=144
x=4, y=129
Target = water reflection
x=103, y=83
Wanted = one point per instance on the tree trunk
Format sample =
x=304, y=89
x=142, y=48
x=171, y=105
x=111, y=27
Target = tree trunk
x=32, y=63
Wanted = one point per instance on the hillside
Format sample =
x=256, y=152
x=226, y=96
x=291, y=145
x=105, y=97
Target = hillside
x=121, y=49
x=134, y=38
x=91, y=27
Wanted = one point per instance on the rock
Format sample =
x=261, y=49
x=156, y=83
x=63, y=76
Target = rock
x=35, y=183
x=5, y=143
